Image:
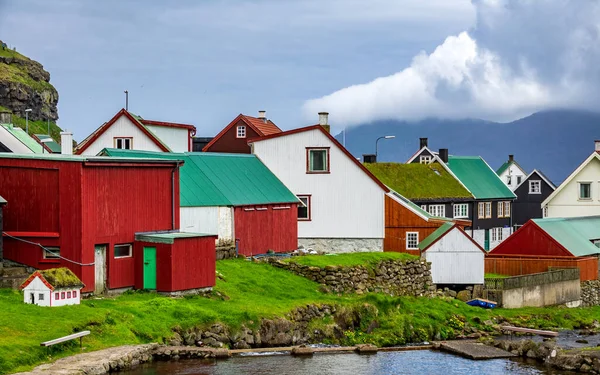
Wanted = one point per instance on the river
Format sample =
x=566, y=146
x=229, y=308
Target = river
x=409, y=362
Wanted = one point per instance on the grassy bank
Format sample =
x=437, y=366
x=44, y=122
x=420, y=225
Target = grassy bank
x=246, y=292
x=349, y=260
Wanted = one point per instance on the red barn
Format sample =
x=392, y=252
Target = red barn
x=234, y=137
x=86, y=212
x=541, y=244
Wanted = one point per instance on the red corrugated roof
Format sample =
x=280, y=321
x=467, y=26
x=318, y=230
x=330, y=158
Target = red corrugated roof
x=266, y=128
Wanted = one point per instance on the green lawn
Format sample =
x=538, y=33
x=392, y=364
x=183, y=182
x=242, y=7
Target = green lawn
x=348, y=260
x=495, y=276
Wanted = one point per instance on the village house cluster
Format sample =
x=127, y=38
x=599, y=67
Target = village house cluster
x=143, y=204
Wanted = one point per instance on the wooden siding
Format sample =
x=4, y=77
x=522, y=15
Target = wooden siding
x=263, y=228
x=177, y=139
x=523, y=265
x=529, y=206
x=530, y=240
x=229, y=142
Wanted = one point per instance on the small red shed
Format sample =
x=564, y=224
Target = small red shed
x=84, y=212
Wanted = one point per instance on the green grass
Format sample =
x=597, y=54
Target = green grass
x=348, y=260
x=254, y=291
x=495, y=276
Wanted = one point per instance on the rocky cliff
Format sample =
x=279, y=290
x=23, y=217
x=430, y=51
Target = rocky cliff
x=25, y=84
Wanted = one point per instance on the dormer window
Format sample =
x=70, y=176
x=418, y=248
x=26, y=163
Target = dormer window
x=241, y=131
x=425, y=159
x=123, y=143
x=317, y=160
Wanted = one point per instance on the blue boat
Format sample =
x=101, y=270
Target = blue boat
x=484, y=303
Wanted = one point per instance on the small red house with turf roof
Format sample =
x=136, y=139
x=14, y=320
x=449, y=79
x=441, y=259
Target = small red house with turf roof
x=131, y=132
x=234, y=137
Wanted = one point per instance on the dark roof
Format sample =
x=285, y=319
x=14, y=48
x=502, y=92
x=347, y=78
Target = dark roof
x=261, y=127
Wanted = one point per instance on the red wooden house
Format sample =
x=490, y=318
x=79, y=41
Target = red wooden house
x=234, y=137
x=85, y=213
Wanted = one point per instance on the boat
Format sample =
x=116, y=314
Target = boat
x=480, y=302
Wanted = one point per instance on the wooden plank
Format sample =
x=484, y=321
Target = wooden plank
x=529, y=330
x=65, y=338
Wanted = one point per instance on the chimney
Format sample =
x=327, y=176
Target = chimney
x=511, y=158
x=262, y=115
x=324, y=120
x=422, y=143
x=443, y=154
x=597, y=145
x=369, y=158
x=66, y=143
x=5, y=117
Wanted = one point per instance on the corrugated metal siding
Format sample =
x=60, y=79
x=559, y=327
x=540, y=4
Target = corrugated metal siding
x=193, y=262
x=346, y=203
x=209, y=220
x=262, y=228
x=121, y=271
x=521, y=265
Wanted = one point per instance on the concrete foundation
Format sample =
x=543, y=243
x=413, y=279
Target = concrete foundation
x=342, y=245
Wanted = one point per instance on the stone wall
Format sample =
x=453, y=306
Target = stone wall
x=225, y=249
x=342, y=245
x=412, y=278
x=590, y=293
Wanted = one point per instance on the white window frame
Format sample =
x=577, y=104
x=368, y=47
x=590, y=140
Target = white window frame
x=130, y=254
x=425, y=159
x=424, y=207
x=500, y=209
x=48, y=255
x=481, y=210
x=123, y=141
x=488, y=210
x=532, y=187
x=461, y=210
x=509, y=180
x=307, y=205
x=240, y=131
x=579, y=190
x=496, y=235
x=415, y=238
x=437, y=209
x=519, y=179
x=506, y=208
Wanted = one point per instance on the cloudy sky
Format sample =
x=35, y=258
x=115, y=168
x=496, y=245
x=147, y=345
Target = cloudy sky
x=203, y=62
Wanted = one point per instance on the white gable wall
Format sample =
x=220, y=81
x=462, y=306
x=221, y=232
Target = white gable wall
x=345, y=204
x=566, y=202
x=123, y=127
x=37, y=287
x=514, y=172
x=455, y=259
x=177, y=139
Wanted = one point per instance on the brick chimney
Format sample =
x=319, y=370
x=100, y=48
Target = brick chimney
x=324, y=120
x=422, y=143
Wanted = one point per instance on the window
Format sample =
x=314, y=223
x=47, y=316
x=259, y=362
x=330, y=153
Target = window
x=56, y=296
x=437, y=210
x=461, y=210
x=585, y=190
x=62, y=295
x=425, y=159
x=412, y=240
x=124, y=143
x=496, y=234
x=52, y=253
x=488, y=210
x=68, y=294
x=504, y=209
x=241, y=131
x=317, y=160
x=509, y=180
x=535, y=187
x=507, y=209
x=304, y=208
x=481, y=210
x=41, y=296
x=424, y=207
x=123, y=251
x=519, y=179
x=500, y=209
x=74, y=294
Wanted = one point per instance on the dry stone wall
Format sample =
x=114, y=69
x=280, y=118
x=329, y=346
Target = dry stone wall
x=590, y=293
x=399, y=278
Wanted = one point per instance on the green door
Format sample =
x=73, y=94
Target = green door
x=149, y=268
x=486, y=243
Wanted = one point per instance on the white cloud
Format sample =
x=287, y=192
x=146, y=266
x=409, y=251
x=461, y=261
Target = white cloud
x=521, y=56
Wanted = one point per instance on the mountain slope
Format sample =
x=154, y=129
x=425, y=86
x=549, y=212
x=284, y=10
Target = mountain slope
x=555, y=142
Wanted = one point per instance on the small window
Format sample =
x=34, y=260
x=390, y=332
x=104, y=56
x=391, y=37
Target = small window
x=412, y=240
x=509, y=180
x=496, y=234
x=535, y=187
x=318, y=160
x=507, y=209
x=488, y=210
x=519, y=179
x=123, y=251
x=241, y=131
x=68, y=294
x=438, y=210
x=74, y=294
x=481, y=210
x=123, y=143
x=52, y=253
x=585, y=190
x=56, y=296
x=425, y=159
x=304, y=208
x=62, y=295
x=461, y=210
x=41, y=296
x=424, y=207
x=500, y=209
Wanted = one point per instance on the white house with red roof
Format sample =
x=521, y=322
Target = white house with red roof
x=343, y=203
x=131, y=132
x=52, y=287
x=579, y=194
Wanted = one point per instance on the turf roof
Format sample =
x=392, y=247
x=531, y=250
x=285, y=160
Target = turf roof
x=419, y=181
x=61, y=277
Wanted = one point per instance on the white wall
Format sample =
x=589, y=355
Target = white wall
x=514, y=171
x=13, y=143
x=177, y=139
x=37, y=287
x=455, y=259
x=210, y=220
x=566, y=202
x=346, y=203
x=66, y=301
x=123, y=127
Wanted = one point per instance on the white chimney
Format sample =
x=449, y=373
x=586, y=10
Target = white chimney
x=323, y=118
x=66, y=143
x=262, y=115
x=597, y=145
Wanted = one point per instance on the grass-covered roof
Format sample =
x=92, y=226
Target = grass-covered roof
x=61, y=277
x=419, y=181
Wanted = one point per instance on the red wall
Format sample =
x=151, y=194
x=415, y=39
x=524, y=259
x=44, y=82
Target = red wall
x=229, y=142
x=530, y=240
x=259, y=231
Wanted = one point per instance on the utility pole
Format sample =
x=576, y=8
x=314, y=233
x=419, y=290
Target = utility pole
x=126, y=100
x=27, y=120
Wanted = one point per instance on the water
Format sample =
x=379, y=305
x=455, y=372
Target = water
x=419, y=362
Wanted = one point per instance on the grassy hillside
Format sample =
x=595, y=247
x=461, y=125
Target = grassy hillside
x=36, y=127
x=20, y=72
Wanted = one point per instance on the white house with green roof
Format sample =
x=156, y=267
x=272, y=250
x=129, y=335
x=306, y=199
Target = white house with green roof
x=16, y=140
x=511, y=173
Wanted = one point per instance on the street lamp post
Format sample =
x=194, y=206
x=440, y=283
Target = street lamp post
x=27, y=120
x=377, y=141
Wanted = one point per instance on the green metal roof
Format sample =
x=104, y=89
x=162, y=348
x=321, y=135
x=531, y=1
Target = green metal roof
x=215, y=179
x=479, y=178
x=419, y=181
x=25, y=138
x=416, y=207
x=502, y=168
x=52, y=145
x=168, y=237
x=575, y=233
x=435, y=235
